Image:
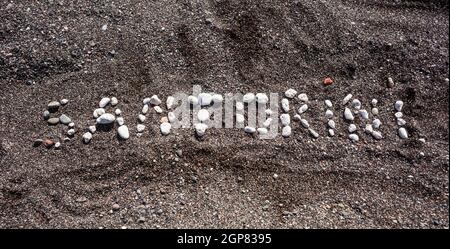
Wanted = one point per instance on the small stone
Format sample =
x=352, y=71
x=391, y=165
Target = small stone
x=268, y=112
x=53, y=121
x=249, y=129
x=402, y=133
x=154, y=100
x=115, y=207
x=285, y=105
x=204, y=99
x=239, y=106
x=217, y=98
x=248, y=98
x=262, y=98
x=303, y=97
x=285, y=119
x=313, y=133
x=347, y=99
x=398, y=115
x=376, y=123
x=118, y=112
x=92, y=129
x=98, y=112
x=146, y=101
x=200, y=129
x=37, y=142
x=71, y=132
x=401, y=122
x=145, y=109
x=275, y=176
x=165, y=128
x=422, y=140
x=123, y=132
x=140, y=127
x=328, y=103
x=164, y=120
x=46, y=114
x=66, y=139
x=368, y=129
x=352, y=128
x=141, y=118
x=375, y=111
x=104, y=27
x=240, y=118
x=332, y=124
x=356, y=104
x=290, y=93
x=374, y=102
x=158, y=109
x=170, y=102
x=54, y=105
x=64, y=101
x=398, y=105
x=114, y=101
x=348, y=115
x=390, y=82
x=87, y=137
x=331, y=132
x=71, y=124
x=57, y=145
x=81, y=199
x=304, y=123
x=328, y=81
x=329, y=114
x=203, y=115
x=377, y=135
x=297, y=117
x=120, y=121
x=64, y=119
x=267, y=122
x=48, y=143
x=364, y=114
x=171, y=117
x=106, y=118
x=104, y=102
x=286, y=131
x=193, y=100
x=353, y=137
x=262, y=131
x=303, y=108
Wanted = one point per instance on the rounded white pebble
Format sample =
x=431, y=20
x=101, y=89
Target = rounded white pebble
x=171, y=117
x=267, y=122
x=165, y=128
x=304, y=123
x=249, y=129
x=364, y=114
x=297, y=117
x=106, y=118
x=114, y=101
x=356, y=104
x=204, y=99
x=329, y=114
x=375, y=111
x=398, y=105
x=347, y=99
x=262, y=98
x=146, y=101
x=98, y=112
x=353, y=137
x=120, y=121
x=217, y=98
x=313, y=133
x=154, y=100
x=368, y=129
x=374, y=102
x=290, y=93
x=64, y=101
x=286, y=131
x=239, y=106
x=377, y=135
x=200, y=129
x=92, y=129
x=303, y=108
x=170, y=102
x=285, y=105
x=262, y=131
x=285, y=119
x=240, y=118
x=402, y=133
x=398, y=115
x=141, y=118
x=348, y=115
x=71, y=125
x=193, y=100
x=303, y=97
x=203, y=115
x=248, y=98
x=87, y=137
x=103, y=102
x=352, y=128
x=376, y=123
x=268, y=112
x=331, y=132
x=145, y=109
x=70, y=132
x=140, y=127
x=123, y=132
x=118, y=112
x=158, y=109
x=332, y=124
x=328, y=103
x=401, y=122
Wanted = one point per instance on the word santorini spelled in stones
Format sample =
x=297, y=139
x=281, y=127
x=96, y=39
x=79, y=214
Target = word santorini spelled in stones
x=254, y=113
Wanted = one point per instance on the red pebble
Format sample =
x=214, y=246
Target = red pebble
x=328, y=81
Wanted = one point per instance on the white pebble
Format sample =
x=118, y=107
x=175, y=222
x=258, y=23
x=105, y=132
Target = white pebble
x=193, y=100
x=114, y=101
x=250, y=129
x=64, y=101
x=145, y=109
x=328, y=103
x=347, y=99
x=98, y=112
x=262, y=131
x=304, y=123
x=376, y=123
x=170, y=102
x=303, y=97
x=368, y=129
x=303, y=108
x=348, y=115
x=268, y=112
x=285, y=119
x=154, y=100
x=262, y=98
x=332, y=124
x=123, y=132
x=398, y=105
x=248, y=98
x=402, y=133
x=71, y=124
x=329, y=114
x=353, y=137
x=401, y=122
x=290, y=93
x=70, y=132
x=331, y=132
x=106, y=118
x=120, y=121
x=313, y=133
x=356, y=104
x=140, y=127
x=87, y=137
x=286, y=131
x=92, y=129
x=285, y=104
x=374, y=102
x=364, y=114
x=141, y=118
x=118, y=112
x=171, y=117
x=240, y=118
x=398, y=115
x=103, y=102
x=200, y=129
x=377, y=135
x=158, y=109
x=375, y=111
x=57, y=145
x=267, y=122
x=204, y=99
x=203, y=115
x=297, y=117
x=352, y=128
x=217, y=98
x=239, y=106
x=165, y=128
x=146, y=101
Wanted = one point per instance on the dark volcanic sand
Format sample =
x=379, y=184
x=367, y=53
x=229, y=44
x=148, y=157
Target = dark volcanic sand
x=225, y=181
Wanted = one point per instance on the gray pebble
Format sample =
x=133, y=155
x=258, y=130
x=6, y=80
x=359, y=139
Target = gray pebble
x=53, y=121
x=401, y=122
x=356, y=104
x=313, y=133
x=376, y=123
x=64, y=119
x=402, y=133
x=304, y=123
x=377, y=135
x=347, y=99
x=54, y=105
x=353, y=137
x=106, y=118
x=398, y=115
x=398, y=105
x=364, y=114
x=46, y=114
